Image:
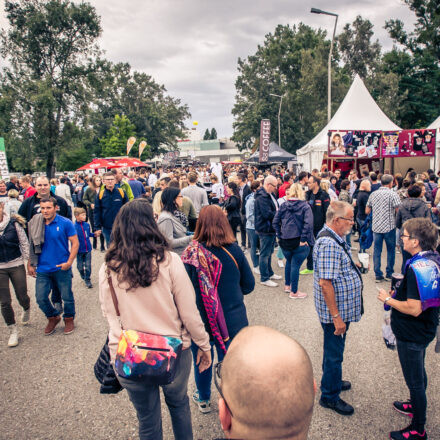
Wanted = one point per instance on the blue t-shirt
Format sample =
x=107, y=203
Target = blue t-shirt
x=56, y=244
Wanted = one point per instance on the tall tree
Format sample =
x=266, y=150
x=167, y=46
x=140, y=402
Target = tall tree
x=207, y=135
x=114, y=143
x=418, y=64
x=213, y=134
x=292, y=62
x=50, y=46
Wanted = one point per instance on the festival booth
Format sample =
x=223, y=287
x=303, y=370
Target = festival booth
x=436, y=126
x=358, y=112
x=276, y=155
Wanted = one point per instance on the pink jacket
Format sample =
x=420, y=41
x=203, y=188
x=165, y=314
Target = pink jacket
x=167, y=307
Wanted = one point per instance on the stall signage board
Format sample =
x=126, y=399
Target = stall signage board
x=390, y=144
x=264, y=140
x=4, y=170
x=354, y=144
x=416, y=143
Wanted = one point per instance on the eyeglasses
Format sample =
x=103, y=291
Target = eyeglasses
x=348, y=219
x=217, y=381
x=407, y=236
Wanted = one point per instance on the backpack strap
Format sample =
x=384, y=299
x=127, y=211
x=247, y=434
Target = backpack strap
x=121, y=192
x=101, y=192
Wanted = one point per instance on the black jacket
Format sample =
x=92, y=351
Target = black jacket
x=27, y=207
x=108, y=206
x=319, y=203
x=264, y=212
x=411, y=208
x=232, y=206
x=246, y=192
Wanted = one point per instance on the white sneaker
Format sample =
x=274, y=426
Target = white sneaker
x=276, y=277
x=269, y=283
x=280, y=263
x=257, y=270
x=25, y=316
x=13, y=338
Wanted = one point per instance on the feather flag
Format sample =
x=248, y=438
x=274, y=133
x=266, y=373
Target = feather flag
x=142, y=146
x=130, y=144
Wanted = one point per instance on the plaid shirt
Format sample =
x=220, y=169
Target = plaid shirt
x=383, y=202
x=332, y=263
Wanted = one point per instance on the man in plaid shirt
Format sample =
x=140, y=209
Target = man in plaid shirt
x=338, y=300
x=384, y=202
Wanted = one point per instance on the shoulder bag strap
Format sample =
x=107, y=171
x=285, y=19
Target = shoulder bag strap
x=114, y=298
x=233, y=259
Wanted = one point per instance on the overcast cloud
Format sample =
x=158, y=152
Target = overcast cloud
x=192, y=46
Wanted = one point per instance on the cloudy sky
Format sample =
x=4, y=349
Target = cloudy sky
x=192, y=46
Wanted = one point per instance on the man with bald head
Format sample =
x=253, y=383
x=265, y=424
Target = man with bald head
x=265, y=208
x=265, y=393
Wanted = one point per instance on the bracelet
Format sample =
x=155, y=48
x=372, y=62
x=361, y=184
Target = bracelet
x=387, y=299
x=335, y=316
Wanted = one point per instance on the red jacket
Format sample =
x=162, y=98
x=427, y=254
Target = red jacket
x=282, y=189
x=29, y=192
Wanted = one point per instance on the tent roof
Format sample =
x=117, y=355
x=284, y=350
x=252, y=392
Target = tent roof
x=358, y=111
x=276, y=154
x=435, y=124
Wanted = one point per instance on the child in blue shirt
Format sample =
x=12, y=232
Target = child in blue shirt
x=84, y=257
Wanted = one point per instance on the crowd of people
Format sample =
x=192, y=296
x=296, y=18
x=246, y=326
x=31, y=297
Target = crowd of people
x=176, y=243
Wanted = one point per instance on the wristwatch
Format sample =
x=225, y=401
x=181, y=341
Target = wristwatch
x=387, y=299
x=335, y=316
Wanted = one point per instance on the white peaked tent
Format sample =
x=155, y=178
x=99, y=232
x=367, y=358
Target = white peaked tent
x=358, y=111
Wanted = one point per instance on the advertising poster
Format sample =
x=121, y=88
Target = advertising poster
x=4, y=170
x=416, y=143
x=354, y=144
x=264, y=140
x=390, y=144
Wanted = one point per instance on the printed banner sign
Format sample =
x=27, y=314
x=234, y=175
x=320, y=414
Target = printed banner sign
x=131, y=141
x=390, y=144
x=4, y=170
x=354, y=144
x=142, y=146
x=414, y=143
x=264, y=140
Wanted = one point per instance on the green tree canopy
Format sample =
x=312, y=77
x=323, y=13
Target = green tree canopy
x=114, y=143
x=207, y=135
x=213, y=134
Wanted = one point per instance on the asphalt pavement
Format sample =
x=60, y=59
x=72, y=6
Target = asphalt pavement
x=48, y=389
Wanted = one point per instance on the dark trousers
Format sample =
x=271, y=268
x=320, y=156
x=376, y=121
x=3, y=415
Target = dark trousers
x=310, y=256
x=17, y=275
x=405, y=257
x=92, y=224
x=235, y=223
x=243, y=230
x=412, y=361
x=84, y=265
x=146, y=401
x=267, y=244
x=334, y=346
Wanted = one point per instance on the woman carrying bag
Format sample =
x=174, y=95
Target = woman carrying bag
x=148, y=287
x=221, y=275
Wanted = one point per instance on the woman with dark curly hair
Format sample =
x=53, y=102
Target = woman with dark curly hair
x=232, y=206
x=155, y=296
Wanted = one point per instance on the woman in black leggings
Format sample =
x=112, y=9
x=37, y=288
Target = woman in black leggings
x=232, y=206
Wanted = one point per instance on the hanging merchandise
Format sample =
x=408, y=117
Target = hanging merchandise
x=353, y=144
x=390, y=144
x=413, y=143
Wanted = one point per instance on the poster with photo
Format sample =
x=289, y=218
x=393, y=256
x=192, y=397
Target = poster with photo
x=416, y=143
x=355, y=144
x=390, y=144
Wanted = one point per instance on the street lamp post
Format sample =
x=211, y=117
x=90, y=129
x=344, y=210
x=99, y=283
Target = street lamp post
x=279, y=116
x=329, y=98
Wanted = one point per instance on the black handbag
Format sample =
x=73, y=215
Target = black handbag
x=104, y=372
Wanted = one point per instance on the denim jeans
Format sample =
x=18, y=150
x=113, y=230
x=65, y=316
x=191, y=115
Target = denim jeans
x=294, y=259
x=267, y=244
x=253, y=239
x=203, y=380
x=334, y=346
x=84, y=265
x=310, y=256
x=146, y=401
x=412, y=361
x=390, y=240
x=43, y=285
x=107, y=235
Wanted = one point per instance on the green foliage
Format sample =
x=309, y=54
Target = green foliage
x=114, y=143
x=291, y=62
x=207, y=135
x=213, y=134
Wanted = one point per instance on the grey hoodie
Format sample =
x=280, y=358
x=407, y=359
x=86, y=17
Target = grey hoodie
x=411, y=208
x=173, y=231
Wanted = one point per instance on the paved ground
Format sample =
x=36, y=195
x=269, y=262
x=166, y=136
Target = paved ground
x=48, y=390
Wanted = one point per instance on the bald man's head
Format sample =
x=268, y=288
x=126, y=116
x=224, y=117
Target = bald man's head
x=267, y=382
x=270, y=184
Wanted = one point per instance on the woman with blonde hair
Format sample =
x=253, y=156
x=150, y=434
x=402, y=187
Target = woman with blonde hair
x=293, y=224
x=325, y=186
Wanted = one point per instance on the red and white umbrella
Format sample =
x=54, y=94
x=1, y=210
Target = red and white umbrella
x=97, y=163
x=128, y=162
